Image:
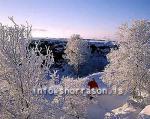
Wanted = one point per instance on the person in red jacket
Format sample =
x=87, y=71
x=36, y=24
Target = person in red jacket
x=92, y=85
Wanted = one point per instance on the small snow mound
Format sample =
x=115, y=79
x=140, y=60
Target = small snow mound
x=97, y=78
x=146, y=110
x=145, y=113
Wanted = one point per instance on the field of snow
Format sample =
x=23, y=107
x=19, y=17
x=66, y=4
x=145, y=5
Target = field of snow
x=111, y=106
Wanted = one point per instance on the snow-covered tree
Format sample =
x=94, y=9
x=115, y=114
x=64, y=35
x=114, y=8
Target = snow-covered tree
x=75, y=103
x=20, y=72
x=77, y=52
x=129, y=66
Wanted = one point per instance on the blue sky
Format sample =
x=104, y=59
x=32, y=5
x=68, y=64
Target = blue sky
x=61, y=18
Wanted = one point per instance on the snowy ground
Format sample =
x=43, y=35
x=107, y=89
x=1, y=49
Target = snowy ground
x=110, y=106
x=145, y=113
x=113, y=106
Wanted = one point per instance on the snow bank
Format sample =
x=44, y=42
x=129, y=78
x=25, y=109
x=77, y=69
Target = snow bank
x=104, y=103
x=145, y=113
x=97, y=77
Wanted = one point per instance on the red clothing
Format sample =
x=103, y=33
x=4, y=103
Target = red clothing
x=92, y=84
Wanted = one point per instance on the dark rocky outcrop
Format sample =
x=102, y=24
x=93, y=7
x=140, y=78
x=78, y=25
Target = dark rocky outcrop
x=98, y=49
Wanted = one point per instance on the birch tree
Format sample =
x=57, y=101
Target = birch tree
x=20, y=72
x=77, y=52
x=76, y=102
x=129, y=66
